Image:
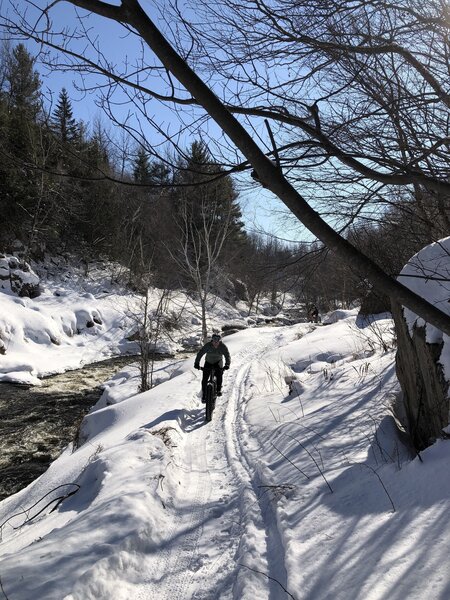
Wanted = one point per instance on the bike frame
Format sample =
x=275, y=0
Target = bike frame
x=210, y=394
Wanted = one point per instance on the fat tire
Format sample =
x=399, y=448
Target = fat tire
x=209, y=407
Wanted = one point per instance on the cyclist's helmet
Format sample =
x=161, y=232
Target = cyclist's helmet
x=215, y=337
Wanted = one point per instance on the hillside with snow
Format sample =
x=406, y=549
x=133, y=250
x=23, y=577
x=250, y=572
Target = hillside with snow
x=79, y=319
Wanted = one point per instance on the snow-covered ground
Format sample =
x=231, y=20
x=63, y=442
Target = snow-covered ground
x=78, y=320
x=306, y=495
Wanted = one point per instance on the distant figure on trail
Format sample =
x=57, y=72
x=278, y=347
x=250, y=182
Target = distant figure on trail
x=313, y=314
x=215, y=352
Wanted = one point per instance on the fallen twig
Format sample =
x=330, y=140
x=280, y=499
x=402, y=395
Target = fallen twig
x=290, y=461
x=3, y=590
x=268, y=577
x=26, y=511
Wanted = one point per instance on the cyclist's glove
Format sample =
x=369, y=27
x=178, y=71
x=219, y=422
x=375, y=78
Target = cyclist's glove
x=226, y=367
x=196, y=366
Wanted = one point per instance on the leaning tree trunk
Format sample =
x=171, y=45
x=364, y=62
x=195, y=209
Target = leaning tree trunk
x=266, y=172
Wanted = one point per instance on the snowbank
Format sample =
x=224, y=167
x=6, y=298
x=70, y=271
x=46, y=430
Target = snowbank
x=428, y=274
x=77, y=320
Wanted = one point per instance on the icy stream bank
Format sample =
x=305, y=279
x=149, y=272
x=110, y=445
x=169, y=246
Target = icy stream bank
x=37, y=423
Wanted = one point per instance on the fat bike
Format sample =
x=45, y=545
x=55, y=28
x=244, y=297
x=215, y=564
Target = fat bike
x=210, y=394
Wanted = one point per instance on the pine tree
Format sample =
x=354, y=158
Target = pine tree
x=141, y=167
x=159, y=173
x=97, y=153
x=24, y=85
x=210, y=191
x=23, y=99
x=22, y=150
x=63, y=124
x=148, y=171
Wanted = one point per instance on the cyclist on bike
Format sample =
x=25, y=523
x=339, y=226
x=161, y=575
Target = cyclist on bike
x=215, y=351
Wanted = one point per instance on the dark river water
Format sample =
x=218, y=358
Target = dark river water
x=37, y=423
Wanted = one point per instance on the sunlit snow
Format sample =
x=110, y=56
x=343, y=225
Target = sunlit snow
x=300, y=487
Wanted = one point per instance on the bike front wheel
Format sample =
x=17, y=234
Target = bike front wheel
x=209, y=407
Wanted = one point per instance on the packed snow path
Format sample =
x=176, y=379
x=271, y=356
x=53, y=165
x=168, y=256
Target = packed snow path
x=217, y=509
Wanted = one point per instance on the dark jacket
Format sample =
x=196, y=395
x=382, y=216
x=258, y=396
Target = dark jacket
x=214, y=356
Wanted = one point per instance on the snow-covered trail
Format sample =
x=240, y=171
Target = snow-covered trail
x=167, y=506
x=260, y=542
x=309, y=495
x=198, y=501
x=219, y=542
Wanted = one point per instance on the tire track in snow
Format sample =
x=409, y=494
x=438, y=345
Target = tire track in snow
x=260, y=540
x=169, y=572
x=177, y=570
x=195, y=466
x=214, y=461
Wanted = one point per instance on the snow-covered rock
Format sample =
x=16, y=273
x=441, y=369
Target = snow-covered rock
x=17, y=277
x=338, y=315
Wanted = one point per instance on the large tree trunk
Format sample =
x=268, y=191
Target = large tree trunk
x=424, y=406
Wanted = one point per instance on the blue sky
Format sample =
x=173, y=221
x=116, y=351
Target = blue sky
x=260, y=208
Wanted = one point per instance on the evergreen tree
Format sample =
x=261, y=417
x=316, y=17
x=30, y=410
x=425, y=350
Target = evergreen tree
x=21, y=142
x=146, y=230
x=63, y=124
x=141, y=167
x=159, y=173
x=23, y=84
x=95, y=196
x=149, y=171
x=23, y=99
x=98, y=150
x=210, y=195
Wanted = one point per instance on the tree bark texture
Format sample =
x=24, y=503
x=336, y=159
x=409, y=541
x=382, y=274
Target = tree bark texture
x=424, y=388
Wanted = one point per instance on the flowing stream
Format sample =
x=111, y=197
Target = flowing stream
x=37, y=423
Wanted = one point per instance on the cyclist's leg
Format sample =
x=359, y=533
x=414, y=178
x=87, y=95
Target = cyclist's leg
x=219, y=374
x=206, y=371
